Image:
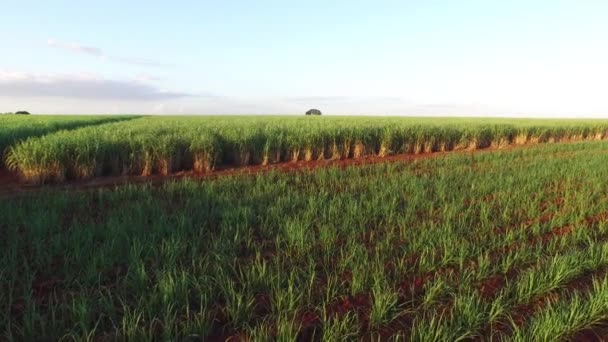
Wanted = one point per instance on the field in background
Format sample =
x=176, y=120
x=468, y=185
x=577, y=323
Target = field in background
x=14, y=128
x=164, y=145
x=511, y=245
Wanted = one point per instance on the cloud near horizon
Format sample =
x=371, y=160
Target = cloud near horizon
x=74, y=47
x=98, y=52
x=82, y=86
x=330, y=100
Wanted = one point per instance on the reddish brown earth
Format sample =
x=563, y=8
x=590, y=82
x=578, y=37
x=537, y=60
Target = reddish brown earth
x=9, y=183
x=597, y=333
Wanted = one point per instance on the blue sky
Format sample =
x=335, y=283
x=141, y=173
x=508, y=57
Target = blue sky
x=469, y=57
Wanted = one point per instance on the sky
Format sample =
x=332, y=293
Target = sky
x=531, y=58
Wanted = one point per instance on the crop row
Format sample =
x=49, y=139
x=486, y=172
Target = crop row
x=166, y=145
x=335, y=251
x=15, y=128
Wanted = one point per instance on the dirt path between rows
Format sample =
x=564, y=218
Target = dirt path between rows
x=10, y=187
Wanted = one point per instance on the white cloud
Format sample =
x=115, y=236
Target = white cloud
x=140, y=61
x=146, y=78
x=98, y=52
x=75, y=47
x=82, y=86
x=159, y=109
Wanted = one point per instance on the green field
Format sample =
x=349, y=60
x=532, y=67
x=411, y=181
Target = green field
x=163, y=145
x=15, y=128
x=509, y=245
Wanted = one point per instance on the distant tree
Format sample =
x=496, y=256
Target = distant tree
x=313, y=112
x=22, y=112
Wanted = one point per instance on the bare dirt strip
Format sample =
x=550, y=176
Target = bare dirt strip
x=597, y=333
x=11, y=187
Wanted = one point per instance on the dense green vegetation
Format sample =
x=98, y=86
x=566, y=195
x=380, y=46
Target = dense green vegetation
x=14, y=128
x=508, y=245
x=163, y=145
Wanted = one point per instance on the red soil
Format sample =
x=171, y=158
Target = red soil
x=597, y=333
x=9, y=183
x=7, y=178
x=43, y=286
x=492, y=286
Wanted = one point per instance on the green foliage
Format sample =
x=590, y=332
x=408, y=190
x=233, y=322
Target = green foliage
x=433, y=249
x=163, y=145
x=17, y=128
